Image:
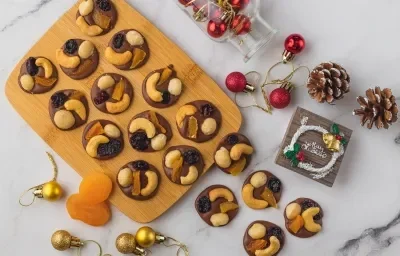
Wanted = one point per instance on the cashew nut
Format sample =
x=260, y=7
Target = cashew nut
x=116, y=58
x=258, y=179
x=143, y=124
x=27, y=82
x=222, y=158
x=159, y=142
x=219, y=219
x=191, y=177
x=112, y=131
x=64, y=119
x=308, y=216
x=239, y=149
x=105, y=82
x=86, y=7
x=152, y=183
x=151, y=89
x=134, y=38
x=125, y=177
x=120, y=106
x=186, y=110
x=209, y=126
x=67, y=61
x=175, y=86
x=250, y=201
x=77, y=106
x=93, y=30
x=47, y=66
x=272, y=249
x=171, y=157
x=293, y=210
x=93, y=144
x=257, y=231
x=221, y=192
x=86, y=49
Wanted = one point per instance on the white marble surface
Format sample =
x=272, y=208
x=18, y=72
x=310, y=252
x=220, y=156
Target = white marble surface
x=364, y=202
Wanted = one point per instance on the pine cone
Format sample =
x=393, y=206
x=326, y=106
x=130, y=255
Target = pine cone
x=328, y=82
x=379, y=107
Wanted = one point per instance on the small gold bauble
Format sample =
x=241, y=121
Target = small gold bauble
x=125, y=243
x=52, y=191
x=145, y=237
x=61, y=240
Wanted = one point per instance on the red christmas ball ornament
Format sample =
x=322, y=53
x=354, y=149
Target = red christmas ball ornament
x=184, y=2
x=216, y=28
x=241, y=24
x=237, y=82
x=199, y=4
x=239, y=4
x=295, y=43
x=280, y=98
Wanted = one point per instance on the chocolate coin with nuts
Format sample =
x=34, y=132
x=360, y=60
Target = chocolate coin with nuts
x=112, y=93
x=139, y=180
x=127, y=50
x=37, y=75
x=68, y=109
x=263, y=238
x=78, y=58
x=233, y=153
x=303, y=217
x=198, y=121
x=217, y=205
x=102, y=139
x=182, y=164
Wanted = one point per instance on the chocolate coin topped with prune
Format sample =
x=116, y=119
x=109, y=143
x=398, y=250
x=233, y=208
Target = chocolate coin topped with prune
x=68, y=109
x=233, y=153
x=261, y=190
x=112, y=93
x=127, y=50
x=149, y=132
x=37, y=75
x=263, y=238
x=303, y=217
x=217, y=205
x=96, y=17
x=182, y=164
x=102, y=139
x=198, y=121
x=78, y=58
x=162, y=88
x=139, y=180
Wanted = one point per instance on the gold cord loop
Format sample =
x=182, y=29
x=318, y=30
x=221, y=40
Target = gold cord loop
x=92, y=241
x=182, y=247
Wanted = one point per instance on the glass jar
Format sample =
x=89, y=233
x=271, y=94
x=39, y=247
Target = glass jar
x=235, y=21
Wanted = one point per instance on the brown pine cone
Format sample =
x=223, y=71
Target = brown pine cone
x=379, y=107
x=328, y=82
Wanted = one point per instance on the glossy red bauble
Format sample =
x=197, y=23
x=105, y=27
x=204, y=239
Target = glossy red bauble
x=241, y=24
x=184, y=2
x=280, y=98
x=239, y=4
x=295, y=43
x=236, y=82
x=216, y=28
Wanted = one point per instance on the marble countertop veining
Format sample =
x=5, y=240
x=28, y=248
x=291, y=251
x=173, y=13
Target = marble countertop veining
x=362, y=210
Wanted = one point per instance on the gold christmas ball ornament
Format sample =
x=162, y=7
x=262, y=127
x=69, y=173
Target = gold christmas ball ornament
x=62, y=240
x=145, y=237
x=52, y=191
x=125, y=243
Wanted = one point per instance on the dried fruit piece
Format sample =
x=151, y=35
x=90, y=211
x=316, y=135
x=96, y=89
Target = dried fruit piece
x=139, y=141
x=255, y=245
x=232, y=139
x=166, y=73
x=104, y=5
x=203, y=204
x=207, y=109
x=96, y=129
x=45, y=81
x=101, y=97
x=71, y=46
x=296, y=224
x=166, y=97
x=95, y=188
x=308, y=204
x=192, y=127
x=118, y=40
x=274, y=185
x=138, y=56
x=58, y=99
x=177, y=169
x=118, y=90
x=76, y=95
x=268, y=196
x=140, y=165
x=191, y=157
x=111, y=148
x=276, y=232
x=82, y=68
x=31, y=66
x=228, y=206
x=153, y=118
x=94, y=215
x=101, y=20
x=136, y=183
x=237, y=167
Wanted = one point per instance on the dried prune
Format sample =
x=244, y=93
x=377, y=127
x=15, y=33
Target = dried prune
x=118, y=40
x=203, y=204
x=207, y=109
x=58, y=99
x=140, y=165
x=104, y=5
x=111, y=148
x=139, y=141
x=101, y=97
x=308, y=204
x=274, y=185
x=232, y=139
x=191, y=157
x=71, y=46
x=166, y=97
x=275, y=231
x=31, y=66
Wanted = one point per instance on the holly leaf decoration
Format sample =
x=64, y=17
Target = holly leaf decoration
x=335, y=129
x=292, y=154
x=296, y=147
x=294, y=162
x=343, y=141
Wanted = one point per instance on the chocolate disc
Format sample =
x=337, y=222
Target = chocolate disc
x=77, y=58
x=265, y=187
x=183, y=164
x=296, y=209
x=139, y=180
x=68, y=109
x=37, y=75
x=127, y=50
x=145, y=124
x=96, y=17
x=258, y=237
x=198, y=121
x=217, y=205
x=223, y=151
x=100, y=130
x=112, y=93
x=161, y=88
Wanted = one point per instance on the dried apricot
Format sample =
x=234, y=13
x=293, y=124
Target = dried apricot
x=94, y=215
x=101, y=20
x=237, y=167
x=138, y=57
x=177, y=169
x=296, y=224
x=95, y=188
x=166, y=73
x=255, y=245
x=45, y=81
x=193, y=127
x=268, y=196
x=228, y=206
x=153, y=118
x=96, y=129
x=136, y=183
x=118, y=90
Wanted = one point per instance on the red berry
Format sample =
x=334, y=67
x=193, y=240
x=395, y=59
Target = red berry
x=280, y=98
x=300, y=156
x=338, y=137
x=236, y=82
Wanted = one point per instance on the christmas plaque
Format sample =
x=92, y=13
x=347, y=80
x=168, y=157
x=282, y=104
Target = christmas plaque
x=314, y=146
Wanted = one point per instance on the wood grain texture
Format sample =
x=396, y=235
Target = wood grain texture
x=33, y=108
x=311, y=136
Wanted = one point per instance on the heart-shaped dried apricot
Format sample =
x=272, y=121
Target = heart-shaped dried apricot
x=94, y=215
x=95, y=188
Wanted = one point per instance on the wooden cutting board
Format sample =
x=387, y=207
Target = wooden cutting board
x=198, y=85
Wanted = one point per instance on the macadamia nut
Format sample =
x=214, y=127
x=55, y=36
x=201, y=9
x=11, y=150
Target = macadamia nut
x=175, y=86
x=257, y=231
x=125, y=177
x=209, y=126
x=112, y=131
x=64, y=119
x=258, y=179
